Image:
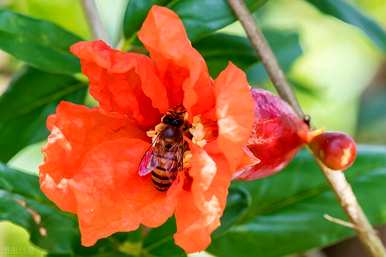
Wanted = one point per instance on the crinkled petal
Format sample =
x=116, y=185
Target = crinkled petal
x=91, y=169
x=199, y=209
x=75, y=130
x=235, y=113
x=112, y=197
x=180, y=66
x=276, y=136
x=122, y=82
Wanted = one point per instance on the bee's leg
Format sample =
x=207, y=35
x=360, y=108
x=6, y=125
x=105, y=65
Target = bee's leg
x=151, y=133
x=157, y=129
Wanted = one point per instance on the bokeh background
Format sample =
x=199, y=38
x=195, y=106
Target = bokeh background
x=339, y=74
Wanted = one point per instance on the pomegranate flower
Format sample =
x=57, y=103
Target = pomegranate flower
x=165, y=139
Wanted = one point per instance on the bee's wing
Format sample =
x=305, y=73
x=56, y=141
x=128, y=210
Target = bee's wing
x=152, y=158
x=148, y=163
x=178, y=151
x=149, y=160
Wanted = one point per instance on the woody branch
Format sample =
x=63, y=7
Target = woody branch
x=336, y=179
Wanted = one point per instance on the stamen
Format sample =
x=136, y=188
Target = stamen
x=186, y=160
x=198, y=132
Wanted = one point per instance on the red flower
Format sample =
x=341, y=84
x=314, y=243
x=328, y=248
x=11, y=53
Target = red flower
x=276, y=137
x=92, y=159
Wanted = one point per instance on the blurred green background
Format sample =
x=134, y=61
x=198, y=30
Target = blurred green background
x=340, y=78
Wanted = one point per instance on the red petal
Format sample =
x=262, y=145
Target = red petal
x=112, y=197
x=122, y=82
x=235, y=113
x=199, y=210
x=181, y=67
x=91, y=169
x=75, y=130
x=276, y=136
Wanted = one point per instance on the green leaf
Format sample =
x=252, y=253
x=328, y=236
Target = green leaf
x=286, y=213
x=68, y=14
x=159, y=241
x=218, y=49
x=200, y=17
x=238, y=203
x=108, y=254
x=352, y=15
x=286, y=47
x=22, y=203
x=24, y=107
x=372, y=116
x=38, y=43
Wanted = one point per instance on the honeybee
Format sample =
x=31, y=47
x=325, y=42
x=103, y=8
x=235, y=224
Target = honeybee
x=164, y=158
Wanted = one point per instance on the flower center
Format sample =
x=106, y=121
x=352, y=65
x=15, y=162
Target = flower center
x=170, y=151
x=176, y=120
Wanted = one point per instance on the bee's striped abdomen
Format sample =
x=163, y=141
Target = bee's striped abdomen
x=164, y=174
x=162, y=179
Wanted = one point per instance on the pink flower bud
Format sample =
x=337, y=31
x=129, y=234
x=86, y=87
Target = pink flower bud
x=278, y=134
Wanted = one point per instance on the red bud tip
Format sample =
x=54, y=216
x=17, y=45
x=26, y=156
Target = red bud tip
x=336, y=150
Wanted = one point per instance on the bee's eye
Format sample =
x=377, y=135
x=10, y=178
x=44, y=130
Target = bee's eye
x=177, y=122
x=167, y=120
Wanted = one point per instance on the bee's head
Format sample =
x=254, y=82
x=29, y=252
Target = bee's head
x=175, y=117
x=173, y=120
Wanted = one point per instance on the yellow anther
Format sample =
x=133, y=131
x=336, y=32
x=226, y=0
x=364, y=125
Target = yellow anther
x=198, y=132
x=186, y=160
